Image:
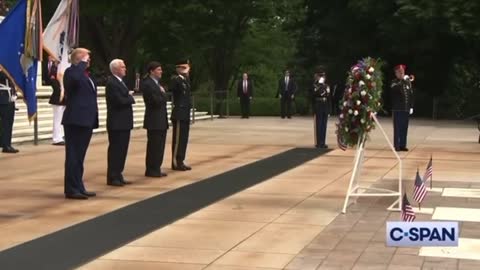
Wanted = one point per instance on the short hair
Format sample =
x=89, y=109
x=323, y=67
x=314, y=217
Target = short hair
x=115, y=63
x=75, y=54
x=152, y=66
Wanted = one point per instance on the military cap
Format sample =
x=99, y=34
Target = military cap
x=183, y=62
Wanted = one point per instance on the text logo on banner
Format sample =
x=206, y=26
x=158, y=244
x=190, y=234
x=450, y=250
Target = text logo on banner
x=414, y=234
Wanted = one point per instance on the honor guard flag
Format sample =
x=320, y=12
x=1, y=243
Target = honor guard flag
x=61, y=33
x=21, y=48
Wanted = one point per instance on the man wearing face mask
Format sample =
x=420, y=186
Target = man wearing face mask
x=321, y=107
x=79, y=120
x=402, y=106
x=182, y=104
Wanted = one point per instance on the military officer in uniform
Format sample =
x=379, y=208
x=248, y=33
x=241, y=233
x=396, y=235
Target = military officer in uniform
x=402, y=106
x=320, y=93
x=182, y=104
x=7, y=112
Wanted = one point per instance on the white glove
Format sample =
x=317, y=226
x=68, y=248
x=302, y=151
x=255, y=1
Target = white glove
x=406, y=77
x=14, y=98
x=411, y=110
x=328, y=89
x=322, y=80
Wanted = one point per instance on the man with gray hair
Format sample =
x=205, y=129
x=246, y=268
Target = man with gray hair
x=119, y=122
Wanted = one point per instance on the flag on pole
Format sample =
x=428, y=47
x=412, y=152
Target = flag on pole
x=408, y=214
x=428, y=171
x=22, y=49
x=61, y=33
x=419, y=191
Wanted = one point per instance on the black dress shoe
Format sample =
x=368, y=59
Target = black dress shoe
x=179, y=168
x=76, y=196
x=89, y=193
x=156, y=175
x=188, y=168
x=126, y=182
x=59, y=143
x=9, y=150
x=115, y=183
x=404, y=149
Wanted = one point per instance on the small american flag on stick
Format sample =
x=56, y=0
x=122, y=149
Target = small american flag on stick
x=419, y=191
x=429, y=172
x=408, y=214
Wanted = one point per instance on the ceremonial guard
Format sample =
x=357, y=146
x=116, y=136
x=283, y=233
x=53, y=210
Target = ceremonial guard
x=7, y=112
x=56, y=100
x=402, y=106
x=321, y=107
x=182, y=104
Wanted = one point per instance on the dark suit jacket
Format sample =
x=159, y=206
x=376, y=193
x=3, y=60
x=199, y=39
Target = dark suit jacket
x=155, y=117
x=286, y=91
x=249, y=89
x=119, y=105
x=181, y=93
x=4, y=95
x=80, y=98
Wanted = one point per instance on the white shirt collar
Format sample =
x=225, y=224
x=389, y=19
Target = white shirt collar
x=120, y=79
x=155, y=80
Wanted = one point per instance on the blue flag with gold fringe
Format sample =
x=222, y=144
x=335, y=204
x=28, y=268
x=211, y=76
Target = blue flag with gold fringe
x=21, y=49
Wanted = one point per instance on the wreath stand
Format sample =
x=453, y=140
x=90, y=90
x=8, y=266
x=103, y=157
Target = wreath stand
x=355, y=190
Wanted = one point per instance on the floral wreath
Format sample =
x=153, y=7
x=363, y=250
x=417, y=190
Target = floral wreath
x=361, y=100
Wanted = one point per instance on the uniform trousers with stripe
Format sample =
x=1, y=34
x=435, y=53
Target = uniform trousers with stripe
x=320, y=119
x=181, y=129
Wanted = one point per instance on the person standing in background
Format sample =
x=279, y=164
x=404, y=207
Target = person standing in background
x=245, y=94
x=8, y=97
x=56, y=100
x=286, y=92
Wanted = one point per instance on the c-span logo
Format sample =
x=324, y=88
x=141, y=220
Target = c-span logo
x=411, y=234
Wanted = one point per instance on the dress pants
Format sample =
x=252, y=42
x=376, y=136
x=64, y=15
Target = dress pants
x=118, y=141
x=400, y=129
x=320, y=122
x=77, y=140
x=57, y=131
x=285, y=106
x=245, y=106
x=155, y=150
x=7, y=115
x=181, y=130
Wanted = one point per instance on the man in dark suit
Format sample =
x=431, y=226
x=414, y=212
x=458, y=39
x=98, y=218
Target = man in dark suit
x=155, y=119
x=56, y=100
x=119, y=122
x=245, y=94
x=402, y=106
x=182, y=104
x=79, y=120
x=7, y=112
x=286, y=92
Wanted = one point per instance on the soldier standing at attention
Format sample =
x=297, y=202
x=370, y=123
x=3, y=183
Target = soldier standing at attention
x=182, y=104
x=321, y=107
x=402, y=106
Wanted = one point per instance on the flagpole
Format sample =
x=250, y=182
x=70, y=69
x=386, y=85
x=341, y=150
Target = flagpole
x=431, y=176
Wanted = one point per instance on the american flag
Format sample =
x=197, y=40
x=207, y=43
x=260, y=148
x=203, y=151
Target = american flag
x=428, y=171
x=408, y=214
x=420, y=191
x=340, y=142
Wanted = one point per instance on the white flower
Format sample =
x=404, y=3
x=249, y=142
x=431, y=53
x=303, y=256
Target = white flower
x=363, y=93
x=344, y=103
x=355, y=113
x=368, y=76
x=362, y=121
x=350, y=111
x=359, y=102
x=361, y=83
x=371, y=70
x=346, y=129
x=341, y=116
x=349, y=90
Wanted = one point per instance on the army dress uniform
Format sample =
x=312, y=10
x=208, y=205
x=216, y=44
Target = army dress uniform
x=181, y=99
x=402, y=106
x=7, y=113
x=321, y=108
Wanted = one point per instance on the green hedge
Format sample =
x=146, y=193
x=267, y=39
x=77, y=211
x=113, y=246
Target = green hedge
x=258, y=106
